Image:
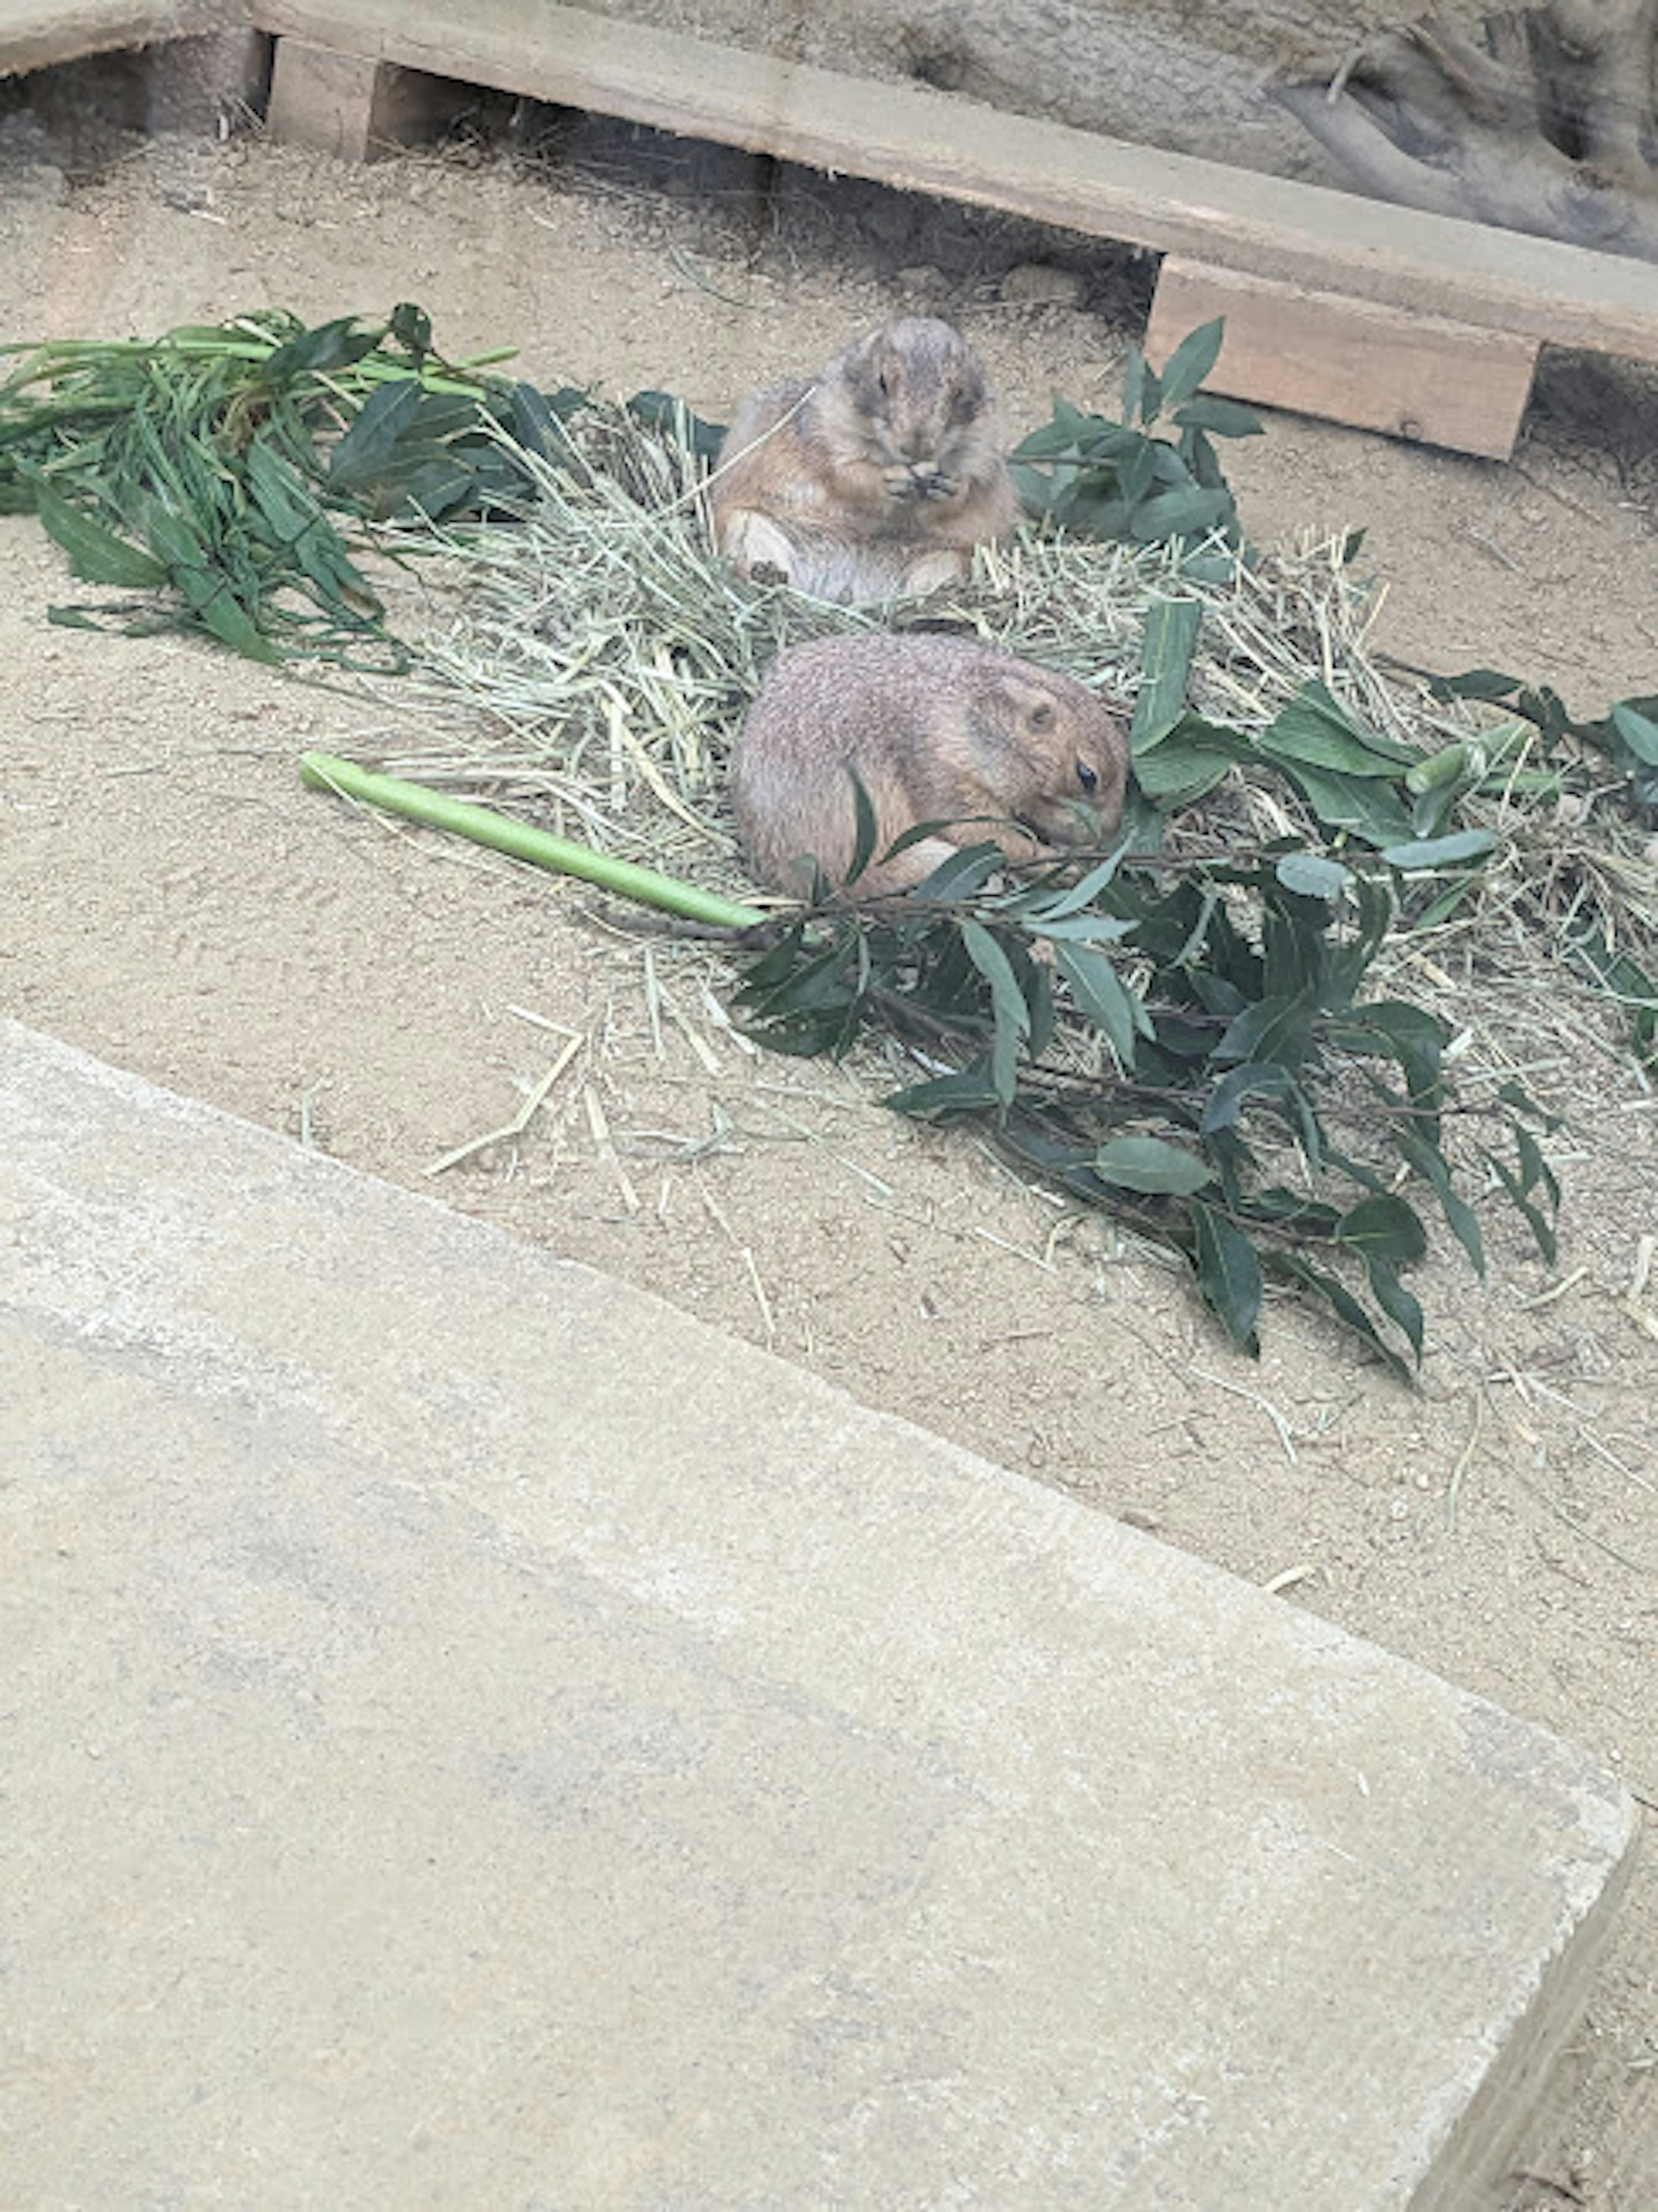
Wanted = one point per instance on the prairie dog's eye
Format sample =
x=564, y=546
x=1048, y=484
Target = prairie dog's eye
x=1088, y=777
x=1042, y=717
x=883, y=384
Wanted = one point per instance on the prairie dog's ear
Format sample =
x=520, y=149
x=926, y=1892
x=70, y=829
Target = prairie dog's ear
x=1032, y=703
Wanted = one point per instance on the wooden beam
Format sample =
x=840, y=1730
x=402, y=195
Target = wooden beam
x=351, y=107
x=36, y=33
x=925, y=141
x=1419, y=377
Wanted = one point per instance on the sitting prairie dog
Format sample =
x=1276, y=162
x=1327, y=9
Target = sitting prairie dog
x=937, y=729
x=877, y=477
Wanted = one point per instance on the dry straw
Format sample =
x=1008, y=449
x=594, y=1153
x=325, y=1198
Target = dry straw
x=596, y=659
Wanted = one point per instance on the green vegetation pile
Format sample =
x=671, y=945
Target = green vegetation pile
x=1279, y=1023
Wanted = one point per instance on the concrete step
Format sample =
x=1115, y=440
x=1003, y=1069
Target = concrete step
x=474, y=1736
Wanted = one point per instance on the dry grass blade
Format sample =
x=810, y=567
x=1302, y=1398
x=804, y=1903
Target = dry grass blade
x=598, y=660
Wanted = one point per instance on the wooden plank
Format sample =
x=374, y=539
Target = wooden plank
x=1351, y=360
x=351, y=107
x=36, y=33
x=925, y=141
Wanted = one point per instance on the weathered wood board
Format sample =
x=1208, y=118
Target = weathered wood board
x=919, y=140
x=36, y=33
x=1417, y=377
x=1376, y=307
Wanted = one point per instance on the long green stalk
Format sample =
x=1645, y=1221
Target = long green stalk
x=324, y=772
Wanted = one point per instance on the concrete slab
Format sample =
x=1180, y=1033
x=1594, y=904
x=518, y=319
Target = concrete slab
x=472, y=1736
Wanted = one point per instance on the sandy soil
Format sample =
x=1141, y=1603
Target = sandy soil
x=170, y=899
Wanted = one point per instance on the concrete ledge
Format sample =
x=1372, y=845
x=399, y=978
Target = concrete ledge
x=474, y=1736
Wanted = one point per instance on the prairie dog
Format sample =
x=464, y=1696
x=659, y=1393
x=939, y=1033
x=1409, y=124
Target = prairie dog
x=878, y=476
x=937, y=729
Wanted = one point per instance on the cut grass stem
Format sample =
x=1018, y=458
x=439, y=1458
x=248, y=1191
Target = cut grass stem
x=521, y=841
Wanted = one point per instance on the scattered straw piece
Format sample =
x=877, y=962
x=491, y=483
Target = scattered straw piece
x=520, y=1120
x=1287, y=1577
x=1254, y=1398
x=606, y=1151
x=1454, y=1488
x=989, y=1236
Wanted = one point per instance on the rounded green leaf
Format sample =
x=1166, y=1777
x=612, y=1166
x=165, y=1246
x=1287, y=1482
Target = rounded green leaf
x=1383, y=1228
x=1312, y=875
x=1150, y=1163
x=1440, y=852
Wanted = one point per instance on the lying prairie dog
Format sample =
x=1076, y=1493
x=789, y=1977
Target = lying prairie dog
x=877, y=477
x=937, y=729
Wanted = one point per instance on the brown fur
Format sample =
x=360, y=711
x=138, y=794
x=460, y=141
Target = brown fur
x=878, y=478
x=937, y=729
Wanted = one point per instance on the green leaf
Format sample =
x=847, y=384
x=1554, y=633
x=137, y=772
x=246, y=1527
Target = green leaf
x=1273, y=1029
x=1312, y=876
x=96, y=556
x=1228, y=1274
x=1080, y=928
x=1254, y=1079
x=368, y=447
x=1384, y=1228
x=205, y=587
x=661, y=411
x=1135, y=376
x=411, y=326
x=1401, y=1306
x=1314, y=729
x=1342, y=1304
x=868, y=829
x=1192, y=360
x=1100, y=993
x=1150, y=1163
x=968, y=1090
x=1010, y=1014
x=1639, y=732
x=1541, y=1227
x=1430, y=1165
x=330, y=347
x=1222, y=418
x=1487, y=684
x=1440, y=852
x=1049, y=909
x=1186, y=513
x=1170, y=640
x=967, y=870
x=1369, y=808
x=1177, y=772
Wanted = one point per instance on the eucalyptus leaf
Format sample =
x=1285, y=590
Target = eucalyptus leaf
x=1384, y=1228
x=1454, y=851
x=1228, y=1274
x=1170, y=640
x=1639, y=732
x=1151, y=1164
x=1400, y=1305
x=1009, y=1009
x=1191, y=361
x=1100, y=994
x=1221, y=418
x=1312, y=875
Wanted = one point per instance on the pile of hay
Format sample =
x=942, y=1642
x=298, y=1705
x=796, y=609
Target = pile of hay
x=597, y=658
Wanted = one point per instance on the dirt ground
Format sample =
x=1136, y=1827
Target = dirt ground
x=172, y=900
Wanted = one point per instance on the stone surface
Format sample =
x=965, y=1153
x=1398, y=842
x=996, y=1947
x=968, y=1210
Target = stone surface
x=473, y=1735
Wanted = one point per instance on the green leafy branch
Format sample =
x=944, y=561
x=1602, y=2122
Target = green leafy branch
x=1098, y=478
x=1235, y=1096
x=233, y=472
x=1626, y=735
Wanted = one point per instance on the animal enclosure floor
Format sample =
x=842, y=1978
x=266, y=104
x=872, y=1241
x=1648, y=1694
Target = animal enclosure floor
x=172, y=900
